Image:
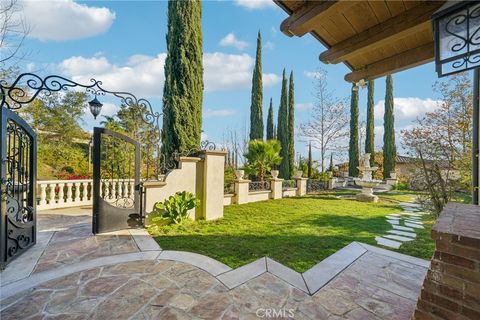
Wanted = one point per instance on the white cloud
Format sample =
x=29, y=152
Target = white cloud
x=313, y=74
x=230, y=40
x=65, y=19
x=408, y=109
x=144, y=75
x=304, y=106
x=218, y=113
x=255, y=4
x=269, y=45
x=231, y=71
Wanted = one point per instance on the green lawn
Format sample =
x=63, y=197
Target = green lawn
x=298, y=232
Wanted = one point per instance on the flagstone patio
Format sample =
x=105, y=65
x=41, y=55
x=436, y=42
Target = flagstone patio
x=123, y=275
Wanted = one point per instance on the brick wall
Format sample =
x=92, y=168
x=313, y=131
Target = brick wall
x=451, y=289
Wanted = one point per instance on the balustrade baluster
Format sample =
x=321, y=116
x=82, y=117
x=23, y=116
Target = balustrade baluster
x=61, y=193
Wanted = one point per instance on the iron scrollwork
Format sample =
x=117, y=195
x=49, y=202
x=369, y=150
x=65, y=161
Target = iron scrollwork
x=28, y=86
x=259, y=186
x=462, y=50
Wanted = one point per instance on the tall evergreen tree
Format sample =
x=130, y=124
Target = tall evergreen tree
x=183, y=89
x=353, y=152
x=256, y=112
x=270, y=124
x=331, y=166
x=282, y=130
x=370, y=134
x=389, y=148
x=291, y=125
x=310, y=161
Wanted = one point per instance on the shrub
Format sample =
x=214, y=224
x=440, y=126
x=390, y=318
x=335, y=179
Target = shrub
x=400, y=186
x=175, y=209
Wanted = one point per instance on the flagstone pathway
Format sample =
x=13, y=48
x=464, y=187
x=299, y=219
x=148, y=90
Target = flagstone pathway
x=404, y=226
x=125, y=275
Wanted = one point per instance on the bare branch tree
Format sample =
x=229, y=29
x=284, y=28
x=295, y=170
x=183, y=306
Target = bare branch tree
x=13, y=31
x=327, y=128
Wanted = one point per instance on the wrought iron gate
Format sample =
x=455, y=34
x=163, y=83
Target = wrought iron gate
x=117, y=192
x=17, y=186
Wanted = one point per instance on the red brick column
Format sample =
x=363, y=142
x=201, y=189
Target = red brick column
x=451, y=289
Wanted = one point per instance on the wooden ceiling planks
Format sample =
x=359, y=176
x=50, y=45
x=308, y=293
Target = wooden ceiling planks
x=369, y=36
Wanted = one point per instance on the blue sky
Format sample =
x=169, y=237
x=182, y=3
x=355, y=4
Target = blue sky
x=123, y=43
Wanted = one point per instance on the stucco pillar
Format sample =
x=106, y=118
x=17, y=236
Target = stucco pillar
x=301, y=186
x=276, y=188
x=212, y=186
x=241, y=191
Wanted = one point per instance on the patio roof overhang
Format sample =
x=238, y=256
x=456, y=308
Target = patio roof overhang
x=373, y=38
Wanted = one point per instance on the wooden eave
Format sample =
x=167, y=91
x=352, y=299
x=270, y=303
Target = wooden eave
x=373, y=38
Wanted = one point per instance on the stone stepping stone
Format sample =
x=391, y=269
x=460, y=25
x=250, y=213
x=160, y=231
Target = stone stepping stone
x=411, y=214
x=388, y=243
x=396, y=237
x=414, y=221
x=414, y=225
x=402, y=228
x=403, y=233
x=393, y=215
x=393, y=221
x=393, y=218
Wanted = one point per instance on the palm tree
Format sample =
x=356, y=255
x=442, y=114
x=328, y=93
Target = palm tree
x=261, y=156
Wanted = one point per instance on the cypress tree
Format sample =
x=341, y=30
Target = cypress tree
x=310, y=161
x=389, y=149
x=183, y=89
x=282, y=130
x=291, y=125
x=353, y=145
x=270, y=124
x=256, y=113
x=330, y=167
x=370, y=134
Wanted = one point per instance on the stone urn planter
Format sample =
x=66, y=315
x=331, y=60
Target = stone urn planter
x=298, y=174
x=239, y=174
x=274, y=174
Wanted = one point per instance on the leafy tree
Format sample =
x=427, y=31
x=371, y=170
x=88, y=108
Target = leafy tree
x=63, y=145
x=389, y=148
x=256, y=108
x=270, y=124
x=370, y=134
x=291, y=125
x=310, y=161
x=282, y=130
x=439, y=142
x=327, y=128
x=183, y=89
x=353, y=152
x=261, y=156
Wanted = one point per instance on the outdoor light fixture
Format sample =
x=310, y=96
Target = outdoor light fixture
x=456, y=27
x=95, y=107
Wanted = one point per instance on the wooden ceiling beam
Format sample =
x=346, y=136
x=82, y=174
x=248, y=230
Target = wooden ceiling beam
x=300, y=22
x=402, y=61
x=409, y=22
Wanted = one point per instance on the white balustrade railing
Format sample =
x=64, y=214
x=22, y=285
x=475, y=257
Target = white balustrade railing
x=54, y=194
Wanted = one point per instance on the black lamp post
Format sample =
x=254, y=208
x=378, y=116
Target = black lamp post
x=456, y=28
x=95, y=107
